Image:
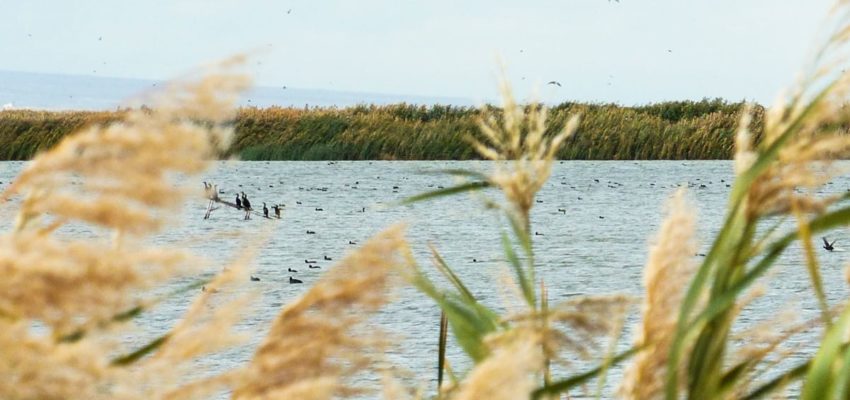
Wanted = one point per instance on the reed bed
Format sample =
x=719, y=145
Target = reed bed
x=65, y=304
x=671, y=130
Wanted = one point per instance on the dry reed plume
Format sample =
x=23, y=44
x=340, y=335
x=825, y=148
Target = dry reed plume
x=319, y=340
x=65, y=301
x=523, y=152
x=510, y=372
x=668, y=271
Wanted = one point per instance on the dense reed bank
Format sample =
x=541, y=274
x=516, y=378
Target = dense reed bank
x=670, y=130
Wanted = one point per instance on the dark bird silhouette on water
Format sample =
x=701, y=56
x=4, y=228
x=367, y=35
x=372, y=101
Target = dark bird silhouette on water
x=291, y=270
x=311, y=232
x=254, y=278
x=293, y=280
x=827, y=245
x=554, y=83
x=313, y=266
x=309, y=261
x=265, y=210
x=238, y=202
x=276, y=209
x=246, y=205
x=328, y=258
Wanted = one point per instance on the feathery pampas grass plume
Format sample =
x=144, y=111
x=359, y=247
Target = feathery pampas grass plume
x=319, y=340
x=809, y=127
x=508, y=373
x=63, y=300
x=574, y=325
x=525, y=155
x=668, y=270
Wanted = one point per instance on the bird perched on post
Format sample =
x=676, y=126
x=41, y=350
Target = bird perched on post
x=246, y=205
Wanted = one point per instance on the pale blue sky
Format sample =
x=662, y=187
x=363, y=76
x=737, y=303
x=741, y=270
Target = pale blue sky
x=632, y=51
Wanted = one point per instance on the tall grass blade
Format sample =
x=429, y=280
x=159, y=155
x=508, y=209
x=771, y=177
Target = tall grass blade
x=812, y=264
x=524, y=282
x=565, y=385
x=823, y=379
x=441, y=351
x=466, y=187
x=444, y=269
x=470, y=320
x=780, y=381
x=136, y=355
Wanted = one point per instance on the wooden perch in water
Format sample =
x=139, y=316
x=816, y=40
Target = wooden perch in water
x=211, y=207
x=212, y=196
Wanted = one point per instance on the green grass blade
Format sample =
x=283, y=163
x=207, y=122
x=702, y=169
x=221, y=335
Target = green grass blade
x=522, y=235
x=779, y=382
x=464, y=173
x=524, y=283
x=822, y=380
x=573, y=381
x=843, y=383
x=723, y=302
x=470, y=321
x=720, y=251
x=135, y=311
x=136, y=355
x=812, y=266
x=465, y=187
x=444, y=268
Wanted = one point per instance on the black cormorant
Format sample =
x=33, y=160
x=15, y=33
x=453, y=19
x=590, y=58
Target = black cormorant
x=827, y=245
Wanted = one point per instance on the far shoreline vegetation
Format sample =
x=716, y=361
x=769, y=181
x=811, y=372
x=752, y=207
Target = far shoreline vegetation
x=676, y=130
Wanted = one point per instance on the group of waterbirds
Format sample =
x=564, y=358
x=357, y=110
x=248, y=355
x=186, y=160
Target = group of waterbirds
x=311, y=264
x=242, y=203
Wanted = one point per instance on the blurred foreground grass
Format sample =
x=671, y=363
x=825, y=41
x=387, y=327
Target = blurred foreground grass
x=66, y=303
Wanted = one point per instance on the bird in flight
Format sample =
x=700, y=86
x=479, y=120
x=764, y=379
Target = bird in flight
x=827, y=245
x=554, y=83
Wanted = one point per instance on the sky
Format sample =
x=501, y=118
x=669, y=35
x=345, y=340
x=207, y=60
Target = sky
x=628, y=52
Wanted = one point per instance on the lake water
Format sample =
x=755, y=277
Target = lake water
x=598, y=246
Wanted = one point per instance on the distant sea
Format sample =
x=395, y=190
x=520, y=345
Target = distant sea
x=80, y=92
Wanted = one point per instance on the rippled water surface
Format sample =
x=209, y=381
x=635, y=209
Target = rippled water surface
x=598, y=245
